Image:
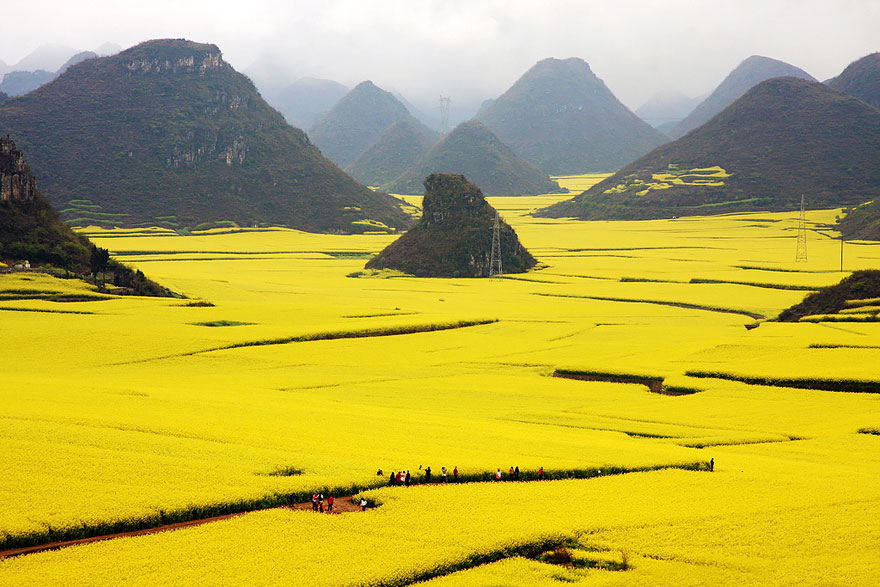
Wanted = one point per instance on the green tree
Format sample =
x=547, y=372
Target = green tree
x=98, y=261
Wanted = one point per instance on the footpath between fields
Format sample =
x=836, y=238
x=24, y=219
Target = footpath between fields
x=342, y=505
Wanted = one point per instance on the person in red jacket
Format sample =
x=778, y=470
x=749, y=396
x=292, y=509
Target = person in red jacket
x=330, y=504
x=455, y=474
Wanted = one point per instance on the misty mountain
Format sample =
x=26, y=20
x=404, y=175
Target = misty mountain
x=306, y=100
x=745, y=76
x=471, y=149
x=666, y=108
x=861, y=79
x=784, y=138
x=167, y=133
x=46, y=57
x=17, y=83
x=563, y=118
x=356, y=122
x=399, y=148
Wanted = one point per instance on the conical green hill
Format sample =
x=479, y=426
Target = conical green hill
x=454, y=236
x=356, y=122
x=745, y=76
x=167, y=133
x=473, y=150
x=784, y=138
x=562, y=118
x=861, y=79
x=400, y=147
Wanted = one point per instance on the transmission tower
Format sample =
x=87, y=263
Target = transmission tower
x=444, y=113
x=495, y=256
x=802, y=235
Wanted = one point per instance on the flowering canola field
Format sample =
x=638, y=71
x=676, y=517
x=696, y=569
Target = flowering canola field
x=292, y=376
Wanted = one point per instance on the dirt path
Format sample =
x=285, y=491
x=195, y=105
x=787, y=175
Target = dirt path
x=342, y=505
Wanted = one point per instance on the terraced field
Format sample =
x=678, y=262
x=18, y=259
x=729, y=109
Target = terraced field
x=280, y=375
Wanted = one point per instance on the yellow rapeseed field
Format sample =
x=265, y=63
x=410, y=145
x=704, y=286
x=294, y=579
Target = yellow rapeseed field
x=282, y=374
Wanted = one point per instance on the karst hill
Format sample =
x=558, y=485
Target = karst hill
x=454, y=236
x=167, y=133
x=356, y=122
x=562, y=118
x=474, y=151
x=861, y=79
x=744, y=76
x=31, y=230
x=400, y=147
x=784, y=138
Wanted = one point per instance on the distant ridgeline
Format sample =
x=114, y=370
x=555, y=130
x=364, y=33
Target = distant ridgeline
x=167, y=133
x=784, y=138
x=400, y=147
x=31, y=230
x=454, y=236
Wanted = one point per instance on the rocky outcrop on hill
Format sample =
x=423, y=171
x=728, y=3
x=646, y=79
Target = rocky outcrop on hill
x=454, y=236
x=17, y=183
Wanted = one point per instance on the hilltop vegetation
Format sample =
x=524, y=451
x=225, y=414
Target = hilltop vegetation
x=784, y=138
x=454, y=236
x=744, y=77
x=472, y=150
x=168, y=134
x=562, y=118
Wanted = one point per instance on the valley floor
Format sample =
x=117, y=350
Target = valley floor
x=281, y=374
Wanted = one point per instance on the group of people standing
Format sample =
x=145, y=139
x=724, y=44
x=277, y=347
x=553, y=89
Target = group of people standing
x=405, y=478
x=318, y=503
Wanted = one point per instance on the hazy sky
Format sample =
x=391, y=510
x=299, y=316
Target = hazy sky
x=472, y=49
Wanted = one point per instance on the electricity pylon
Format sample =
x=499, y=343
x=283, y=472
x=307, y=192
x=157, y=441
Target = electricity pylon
x=495, y=256
x=802, y=236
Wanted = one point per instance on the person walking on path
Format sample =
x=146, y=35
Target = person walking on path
x=498, y=475
x=392, y=478
x=455, y=474
x=510, y=474
x=443, y=473
x=314, y=502
x=363, y=504
x=330, y=504
x=516, y=473
x=427, y=474
x=407, y=479
x=541, y=474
